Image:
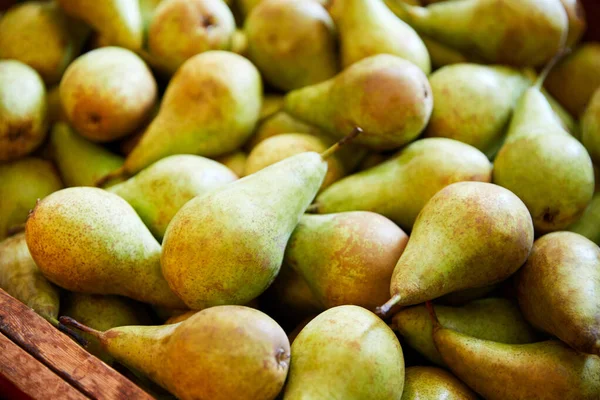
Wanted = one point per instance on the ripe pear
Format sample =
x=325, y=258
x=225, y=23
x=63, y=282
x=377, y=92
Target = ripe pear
x=210, y=108
x=22, y=182
x=277, y=148
x=108, y=93
x=514, y=32
x=491, y=92
x=401, y=186
x=227, y=246
x=221, y=353
x=589, y=223
x=91, y=241
x=441, y=54
x=278, y=123
x=181, y=29
x=497, y=371
x=159, y=191
x=346, y=353
x=577, y=23
x=388, y=97
x=80, y=162
x=422, y=383
x=469, y=235
x=292, y=43
x=21, y=278
x=346, y=258
x=40, y=35
x=494, y=319
x=545, y=166
x=590, y=127
x=557, y=289
x=575, y=78
x=120, y=21
x=368, y=27
x=23, y=110
x=235, y=161
x=103, y=313
x=465, y=296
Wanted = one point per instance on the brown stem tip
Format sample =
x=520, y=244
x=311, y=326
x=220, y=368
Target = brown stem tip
x=383, y=310
x=333, y=149
x=68, y=321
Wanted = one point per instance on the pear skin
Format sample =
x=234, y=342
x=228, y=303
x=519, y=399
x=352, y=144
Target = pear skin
x=577, y=23
x=278, y=123
x=235, y=161
x=91, y=241
x=442, y=55
x=590, y=127
x=589, y=223
x=556, y=287
x=56, y=112
x=434, y=383
x=193, y=359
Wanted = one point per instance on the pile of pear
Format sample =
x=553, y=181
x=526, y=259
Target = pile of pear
x=308, y=199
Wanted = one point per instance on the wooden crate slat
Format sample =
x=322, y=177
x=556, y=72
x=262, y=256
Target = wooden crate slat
x=62, y=355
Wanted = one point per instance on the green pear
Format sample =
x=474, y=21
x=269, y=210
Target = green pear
x=252, y=220
x=22, y=183
x=545, y=166
x=21, y=278
x=181, y=29
x=442, y=55
x=23, y=110
x=292, y=42
x=368, y=27
x=246, y=6
x=421, y=383
x=589, y=223
x=401, y=186
x=108, y=93
x=346, y=258
x=577, y=23
x=346, y=353
x=590, y=127
x=235, y=161
x=557, y=289
x=465, y=296
x=147, y=9
x=278, y=123
x=469, y=235
x=210, y=108
x=193, y=359
x=55, y=110
x=91, y=241
x=388, y=97
x=40, y=35
x=513, y=32
x=272, y=103
x=277, y=148
x=120, y=21
x=497, y=371
x=473, y=103
x=103, y=313
x=573, y=81
x=80, y=162
x=494, y=319
x=159, y=191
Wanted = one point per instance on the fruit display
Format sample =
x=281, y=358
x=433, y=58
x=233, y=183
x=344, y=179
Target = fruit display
x=308, y=199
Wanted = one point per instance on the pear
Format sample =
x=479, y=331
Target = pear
x=401, y=186
x=147, y=9
x=103, y=313
x=21, y=278
x=91, y=241
x=252, y=219
x=590, y=127
x=278, y=123
x=346, y=353
x=120, y=21
x=80, y=162
x=193, y=359
x=40, y=35
x=589, y=223
x=577, y=24
x=442, y=55
x=292, y=42
x=542, y=164
x=235, y=161
x=181, y=29
x=23, y=110
x=22, y=182
x=494, y=319
x=210, y=108
x=497, y=371
x=280, y=147
x=422, y=383
x=557, y=287
x=246, y=6
x=388, y=97
x=574, y=79
x=159, y=191
x=469, y=235
x=491, y=92
x=514, y=32
x=465, y=296
x=55, y=110
x=108, y=93
x=272, y=103
x=368, y=27
x=346, y=258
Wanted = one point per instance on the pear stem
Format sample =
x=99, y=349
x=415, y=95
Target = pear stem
x=384, y=309
x=333, y=149
x=313, y=208
x=433, y=316
x=118, y=173
x=557, y=57
x=69, y=332
x=72, y=322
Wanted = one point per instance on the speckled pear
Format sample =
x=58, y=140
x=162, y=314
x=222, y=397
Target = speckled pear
x=422, y=383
